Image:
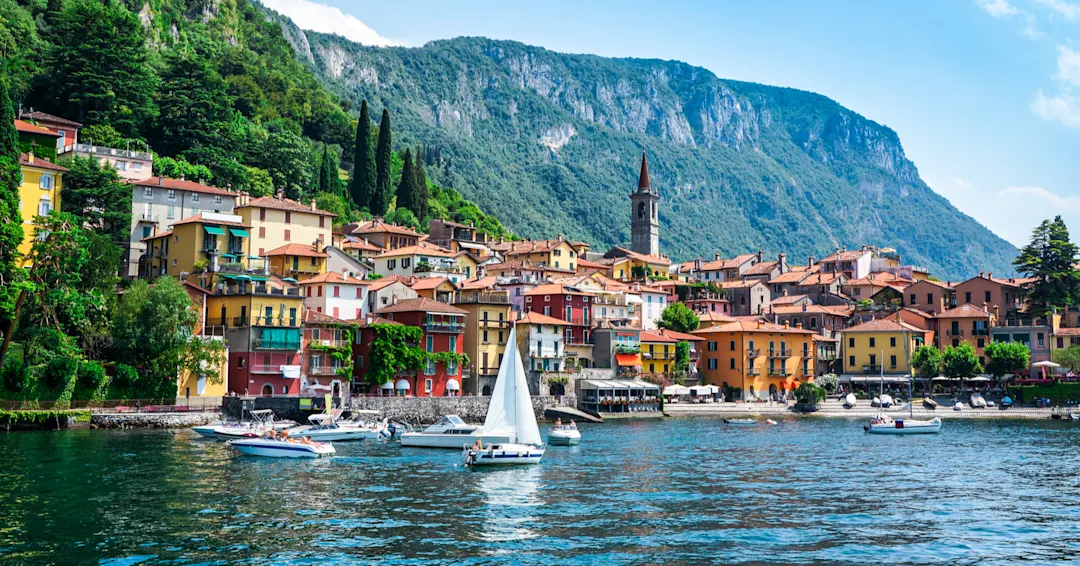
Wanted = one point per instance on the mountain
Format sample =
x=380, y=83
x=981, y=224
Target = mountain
x=550, y=143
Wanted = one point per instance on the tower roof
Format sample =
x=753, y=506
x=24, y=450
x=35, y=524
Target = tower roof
x=643, y=179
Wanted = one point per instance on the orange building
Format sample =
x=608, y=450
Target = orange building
x=759, y=359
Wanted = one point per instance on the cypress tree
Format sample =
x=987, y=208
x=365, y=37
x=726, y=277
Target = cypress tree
x=362, y=184
x=406, y=189
x=9, y=138
x=380, y=199
x=328, y=181
x=11, y=230
x=422, y=195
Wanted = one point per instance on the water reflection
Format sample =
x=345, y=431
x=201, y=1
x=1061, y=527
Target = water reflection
x=509, y=497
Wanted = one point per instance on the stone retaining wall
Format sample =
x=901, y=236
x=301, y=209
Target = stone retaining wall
x=152, y=420
x=400, y=409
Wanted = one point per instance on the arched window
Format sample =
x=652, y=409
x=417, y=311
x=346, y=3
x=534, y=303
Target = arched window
x=487, y=391
x=641, y=210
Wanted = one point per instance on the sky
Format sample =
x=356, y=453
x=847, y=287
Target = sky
x=984, y=94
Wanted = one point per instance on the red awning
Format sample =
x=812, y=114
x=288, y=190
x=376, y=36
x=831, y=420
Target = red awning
x=628, y=359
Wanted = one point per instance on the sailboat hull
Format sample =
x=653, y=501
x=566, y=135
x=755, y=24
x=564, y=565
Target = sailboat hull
x=454, y=441
x=503, y=455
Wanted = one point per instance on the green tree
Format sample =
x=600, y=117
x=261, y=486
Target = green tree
x=193, y=107
x=94, y=193
x=406, y=189
x=1068, y=358
x=403, y=217
x=423, y=196
x=809, y=394
x=393, y=350
x=12, y=276
x=335, y=203
x=152, y=329
x=678, y=317
x=328, y=172
x=1050, y=258
x=176, y=168
x=285, y=156
x=682, y=357
x=20, y=45
x=927, y=361
x=960, y=361
x=1006, y=357
x=97, y=66
x=380, y=199
x=362, y=184
x=259, y=182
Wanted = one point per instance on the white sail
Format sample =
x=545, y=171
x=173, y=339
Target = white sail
x=510, y=410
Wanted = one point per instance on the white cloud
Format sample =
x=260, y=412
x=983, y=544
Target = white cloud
x=1012, y=212
x=1062, y=108
x=1067, y=9
x=1068, y=66
x=328, y=19
x=997, y=8
x=962, y=184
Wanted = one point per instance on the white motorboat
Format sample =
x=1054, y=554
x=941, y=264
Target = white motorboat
x=564, y=435
x=977, y=401
x=451, y=432
x=325, y=427
x=884, y=424
x=274, y=448
x=849, y=400
x=207, y=431
x=740, y=421
x=262, y=420
x=511, y=413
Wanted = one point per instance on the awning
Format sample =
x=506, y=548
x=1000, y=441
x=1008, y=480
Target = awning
x=676, y=390
x=215, y=230
x=254, y=257
x=606, y=384
x=873, y=379
x=239, y=232
x=388, y=386
x=230, y=256
x=628, y=359
x=402, y=385
x=701, y=390
x=453, y=385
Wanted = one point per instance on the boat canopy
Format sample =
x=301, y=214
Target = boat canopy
x=321, y=418
x=261, y=412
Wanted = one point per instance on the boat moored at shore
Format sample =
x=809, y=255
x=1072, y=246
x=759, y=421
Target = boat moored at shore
x=277, y=448
x=884, y=424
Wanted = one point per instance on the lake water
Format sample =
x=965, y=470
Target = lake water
x=678, y=491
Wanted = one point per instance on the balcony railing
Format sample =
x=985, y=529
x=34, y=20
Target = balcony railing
x=1023, y=322
x=263, y=368
x=753, y=371
x=432, y=326
x=438, y=268
x=778, y=372
x=474, y=298
x=274, y=321
x=277, y=344
x=954, y=333
x=754, y=352
x=546, y=353
x=267, y=290
x=779, y=353
x=487, y=323
x=152, y=218
x=871, y=368
x=323, y=370
x=578, y=321
x=980, y=332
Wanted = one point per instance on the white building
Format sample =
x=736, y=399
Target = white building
x=543, y=343
x=419, y=261
x=653, y=302
x=340, y=296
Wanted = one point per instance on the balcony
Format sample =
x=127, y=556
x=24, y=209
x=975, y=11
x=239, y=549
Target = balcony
x=150, y=218
x=753, y=352
x=779, y=353
x=871, y=368
x=431, y=326
x=980, y=332
x=954, y=333
x=323, y=370
x=546, y=353
x=439, y=268
x=778, y=372
x=263, y=368
x=486, y=323
x=274, y=344
x=267, y=290
x=753, y=372
x=477, y=298
x=577, y=321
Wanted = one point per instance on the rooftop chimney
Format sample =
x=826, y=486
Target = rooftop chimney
x=760, y=256
x=313, y=207
x=717, y=256
x=810, y=261
x=160, y=181
x=181, y=176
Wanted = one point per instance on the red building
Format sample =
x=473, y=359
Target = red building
x=443, y=329
x=565, y=303
x=320, y=371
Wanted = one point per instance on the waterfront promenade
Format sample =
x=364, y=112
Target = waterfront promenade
x=834, y=409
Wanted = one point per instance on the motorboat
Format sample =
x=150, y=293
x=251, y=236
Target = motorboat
x=886, y=401
x=564, y=435
x=509, y=412
x=1074, y=416
x=738, y=421
x=276, y=448
x=325, y=427
x=770, y=422
x=450, y=432
x=959, y=406
x=849, y=400
x=262, y=420
x=207, y=431
x=977, y=401
x=884, y=424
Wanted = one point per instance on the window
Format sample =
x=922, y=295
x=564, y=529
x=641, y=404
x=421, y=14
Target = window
x=851, y=342
x=171, y=195
x=929, y=298
x=136, y=166
x=712, y=363
x=288, y=217
x=430, y=344
x=731, y=346
x=262, y=214
x=955, y=343
x=813, y=323
x=170, y=212
x=121, y=165
x=319, y=290
x=217, y=199
x=873, y=359
x=485, y=336
x=732, y=363
x=391, y=264
x=982, y=342
x=453, y=343
x=194, y=197
x=262, y=231
x=429, y=369
x=322, y=220
x=44, y=206
x=913, y=301
x=892, y=361
x=1040, y=339
x=892, y=342
x=146, y=231
x=427, y=385
x=288, y=236
x=148, y=192
x=858, y=291
x=405, y=262
x=987, y=299
x=46, y=181
x=872, y=342
x=851, y=361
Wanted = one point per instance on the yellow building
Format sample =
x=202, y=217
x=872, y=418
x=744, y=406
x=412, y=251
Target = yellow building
x=440, y=289
x=658, y=349
x=878, y=347
x=559, y=253
x=194, y=384
x=277, y=222
x=487, y=328
x=759, y=358
x=625, y=264
x=207, y=242
x=39, y=194
x=297, y=261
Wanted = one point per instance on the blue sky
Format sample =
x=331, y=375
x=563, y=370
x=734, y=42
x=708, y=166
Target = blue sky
x=984, y=94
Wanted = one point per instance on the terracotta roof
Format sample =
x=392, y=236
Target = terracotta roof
x=380, y=227
x=665, y=335
x=526, y=266
x=643, y=177
x=46, y=117
x=821, y=278
x=363, y=323
x=738, y=284
x=1067, y=332
x=381, y=282
x=283, y=204
x=788, y=299
x=312, y=316
x=740, y=325
x=814, y=309
x=198, y=218
x=882, y=325
x=156, y=236
x=360, y=245
x=302, y=250
x=715, y=317
x=644, y=258
x=194, y=286
x=790, y=277
x=425, y=283
x=334, y=277
x=181, y=185
x=761, y=268
x=964, y=311
x=488, y=282
x=40, y=163
x=416, y=250
x=555, y=289
x=846, y=256
x=942, y=284
x=28, y=128
x=538, y=318
x=727, y=263
x=528, y=246
x=594, y=264
x=421, y=304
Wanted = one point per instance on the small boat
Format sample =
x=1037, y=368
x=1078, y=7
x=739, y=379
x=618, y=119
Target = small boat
x=884, y=424
x=325, y=427
x=564, y=435
x=875, y=402
x=1074, y=416
x=273, y=448
x=510, y=412
x=262, y=420
x=959, y=406
x=450, y=432
x=977, y=401
x=849, y=400
x=740, y=421
x=770, y=422
x=930, y=403
x=1006, y=402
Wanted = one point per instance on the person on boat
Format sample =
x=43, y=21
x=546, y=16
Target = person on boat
x=284, y=436
x=558, y=422
x=271, y=434
x=573, y=425
x=478, y=445
x=306, y=440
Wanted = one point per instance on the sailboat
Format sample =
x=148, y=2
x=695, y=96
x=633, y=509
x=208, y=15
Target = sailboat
x=510, y=413
x=884, y=424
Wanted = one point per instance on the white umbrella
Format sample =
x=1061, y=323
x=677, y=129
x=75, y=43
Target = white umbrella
x=673, y=390
x=940, y=378
x=977, y=378
x=1046, y=364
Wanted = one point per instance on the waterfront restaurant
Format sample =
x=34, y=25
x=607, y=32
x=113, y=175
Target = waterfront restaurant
x=603, y=396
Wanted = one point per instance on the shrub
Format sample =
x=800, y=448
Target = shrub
x=809, y=394
x=828, y=381
x=91, y=375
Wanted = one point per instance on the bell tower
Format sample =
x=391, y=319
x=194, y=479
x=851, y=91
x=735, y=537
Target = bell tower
x=644, y=219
